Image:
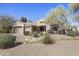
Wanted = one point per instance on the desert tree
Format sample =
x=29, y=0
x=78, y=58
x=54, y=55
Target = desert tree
x=56, y=16
x=73, y=7
x=7, y=22
x=74, y=12
x=23, y=19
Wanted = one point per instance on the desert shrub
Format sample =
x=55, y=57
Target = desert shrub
x=26, y=33
x=61, y=31
x=47, y=39
x=3, y=31
x=7, y=40
x=70, y=32
x=50, y=31
x=41, y=34
x=35, y=34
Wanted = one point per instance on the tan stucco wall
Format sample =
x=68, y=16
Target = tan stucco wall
x=17, y=26
x=21, y=24
x=28, y=29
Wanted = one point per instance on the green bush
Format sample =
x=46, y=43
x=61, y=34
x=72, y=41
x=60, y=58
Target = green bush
x=7, y=40
x=41, y=34
x=35, y=34
x=26, y=33
x=3, y=31
x=71, y=33
x=47, y=39
x=61, y=31
x=50, y=31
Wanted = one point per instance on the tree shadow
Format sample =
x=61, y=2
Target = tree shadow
x=14, y=45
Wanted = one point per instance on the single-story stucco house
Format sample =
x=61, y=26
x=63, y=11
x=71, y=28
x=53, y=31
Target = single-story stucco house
x=39, y=26
x=29, y=26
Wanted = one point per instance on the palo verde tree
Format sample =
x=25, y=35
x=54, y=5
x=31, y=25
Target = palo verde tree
x=56, y=16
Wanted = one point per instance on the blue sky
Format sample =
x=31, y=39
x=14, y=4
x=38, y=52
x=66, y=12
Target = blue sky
x=33, y=11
